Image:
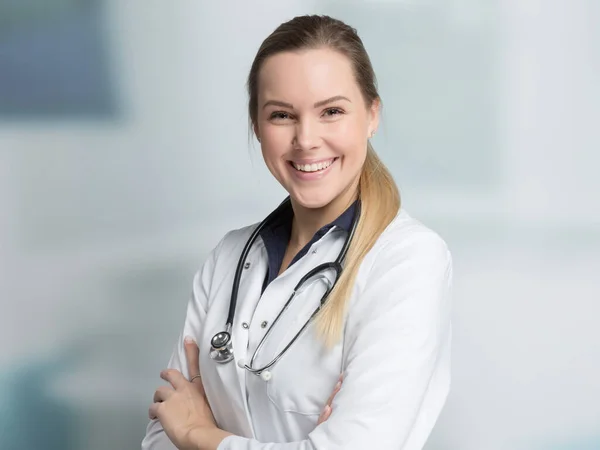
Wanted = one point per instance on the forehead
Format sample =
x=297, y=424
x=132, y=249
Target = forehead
x=306, y=76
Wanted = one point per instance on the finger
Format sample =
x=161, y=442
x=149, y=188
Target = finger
x=153, y=411
x=191, y=354
x=324, y=415
x=175, y=377
x=336, y=389
x=162, y=394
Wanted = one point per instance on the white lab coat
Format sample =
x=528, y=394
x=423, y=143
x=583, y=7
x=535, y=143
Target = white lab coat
x=395, y=351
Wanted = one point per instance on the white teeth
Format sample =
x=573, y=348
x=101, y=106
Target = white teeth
x=313, y=167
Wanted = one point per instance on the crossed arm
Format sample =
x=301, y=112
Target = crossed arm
x=183, y=408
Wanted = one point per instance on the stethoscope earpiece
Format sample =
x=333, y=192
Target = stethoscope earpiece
x=266, y=375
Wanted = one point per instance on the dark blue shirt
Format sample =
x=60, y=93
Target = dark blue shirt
x=276, y=237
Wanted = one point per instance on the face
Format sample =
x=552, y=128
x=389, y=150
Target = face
x=313, y=125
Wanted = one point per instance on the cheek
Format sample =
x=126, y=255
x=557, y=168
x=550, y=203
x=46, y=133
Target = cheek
x=268, y=153
x=275, y=138
x=352, y=132
x=275, y=145
x=273, y=155
x=351, y=142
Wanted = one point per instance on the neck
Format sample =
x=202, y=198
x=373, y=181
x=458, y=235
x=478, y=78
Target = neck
x=307, y=221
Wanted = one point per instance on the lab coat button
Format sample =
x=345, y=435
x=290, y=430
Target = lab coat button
x=245, y=326
x=266, y=375
x=264, y=324
x=247, y=265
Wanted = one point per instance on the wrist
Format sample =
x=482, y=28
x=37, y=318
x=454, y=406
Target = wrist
x=209, y=438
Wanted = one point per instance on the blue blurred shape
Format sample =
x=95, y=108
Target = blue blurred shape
x=54, y=61
x=30, y=416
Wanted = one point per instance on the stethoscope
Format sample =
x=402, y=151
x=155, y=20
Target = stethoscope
x=221, y=345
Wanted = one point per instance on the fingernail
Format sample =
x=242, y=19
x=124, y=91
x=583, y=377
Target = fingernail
x=189, y=340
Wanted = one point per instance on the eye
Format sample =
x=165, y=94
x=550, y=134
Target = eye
x=331, y=112
x=279, y=115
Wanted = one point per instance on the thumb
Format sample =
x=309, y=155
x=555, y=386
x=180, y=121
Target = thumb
x=192, y=356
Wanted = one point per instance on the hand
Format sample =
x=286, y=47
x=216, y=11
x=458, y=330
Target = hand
x=182, y=408
x=327, y=410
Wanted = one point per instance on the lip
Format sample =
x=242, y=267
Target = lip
x=311, y=176
x=311, y=161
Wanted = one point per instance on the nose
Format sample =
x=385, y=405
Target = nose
x=306, y=135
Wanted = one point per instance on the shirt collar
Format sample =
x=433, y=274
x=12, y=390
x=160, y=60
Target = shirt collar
x=282, y=222
x=276, y=235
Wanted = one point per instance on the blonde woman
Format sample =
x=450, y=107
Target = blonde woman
x=338, y=282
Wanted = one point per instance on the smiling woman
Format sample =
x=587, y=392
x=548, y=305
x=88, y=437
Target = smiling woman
x=362, y=357
x=305, y=118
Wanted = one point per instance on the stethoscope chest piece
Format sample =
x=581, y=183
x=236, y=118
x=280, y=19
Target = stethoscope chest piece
x=221, y=348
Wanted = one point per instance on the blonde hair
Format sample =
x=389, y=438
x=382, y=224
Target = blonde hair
x=378, y=193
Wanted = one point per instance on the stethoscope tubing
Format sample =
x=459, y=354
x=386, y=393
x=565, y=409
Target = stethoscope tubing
x=336, y=266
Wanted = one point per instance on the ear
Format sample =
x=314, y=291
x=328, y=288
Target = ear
x=374, y=112
x=256, y=132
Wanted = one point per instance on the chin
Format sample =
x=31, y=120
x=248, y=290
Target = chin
x=312, y=200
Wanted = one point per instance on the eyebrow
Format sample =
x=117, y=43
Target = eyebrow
x=316, y=105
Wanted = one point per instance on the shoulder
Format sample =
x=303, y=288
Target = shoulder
x=407, y=274
x=229, y=245
x=232, y=243
x=407, y=236
x=222, y=257
x=238, y=236
x=408, y=245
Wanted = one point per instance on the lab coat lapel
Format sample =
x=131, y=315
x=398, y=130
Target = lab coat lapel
x=248, y=297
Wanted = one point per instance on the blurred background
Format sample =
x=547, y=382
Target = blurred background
x=125, y=156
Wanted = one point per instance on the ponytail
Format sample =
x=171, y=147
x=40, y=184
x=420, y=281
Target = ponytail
x=380, y=203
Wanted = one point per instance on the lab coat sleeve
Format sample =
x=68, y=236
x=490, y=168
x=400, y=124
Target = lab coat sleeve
x=396, y=369
x=156, y=438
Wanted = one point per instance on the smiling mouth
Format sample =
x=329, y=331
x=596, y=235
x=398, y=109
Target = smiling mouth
x=315, y=167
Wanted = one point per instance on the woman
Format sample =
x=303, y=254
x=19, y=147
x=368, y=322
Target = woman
x=385, y=326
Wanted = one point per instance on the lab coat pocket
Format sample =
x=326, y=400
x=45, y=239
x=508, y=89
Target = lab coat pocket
x=305, y=376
